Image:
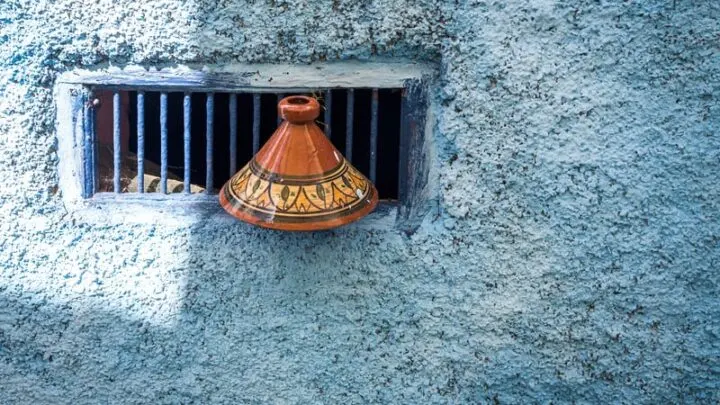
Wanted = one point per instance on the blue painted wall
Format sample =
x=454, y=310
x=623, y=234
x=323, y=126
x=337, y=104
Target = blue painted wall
x=573, y=256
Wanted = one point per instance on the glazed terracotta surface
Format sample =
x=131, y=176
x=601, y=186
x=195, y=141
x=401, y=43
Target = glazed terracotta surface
x=298, y=181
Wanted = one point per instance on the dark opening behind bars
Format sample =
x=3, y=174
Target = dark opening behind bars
x=165, y=136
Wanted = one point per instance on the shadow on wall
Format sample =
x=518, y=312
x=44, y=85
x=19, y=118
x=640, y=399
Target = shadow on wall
x=263, y=317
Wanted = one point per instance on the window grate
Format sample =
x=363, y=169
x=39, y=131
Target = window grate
x=143, y=140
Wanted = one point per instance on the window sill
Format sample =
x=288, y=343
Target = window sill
x=187, y=210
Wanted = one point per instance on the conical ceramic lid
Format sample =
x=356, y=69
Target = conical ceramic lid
x=298, y=181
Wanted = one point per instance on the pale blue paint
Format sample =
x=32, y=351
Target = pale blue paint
x=187, y=161
x=163, y=143
x=209, y=136
x=141, y=141
x=116, y=142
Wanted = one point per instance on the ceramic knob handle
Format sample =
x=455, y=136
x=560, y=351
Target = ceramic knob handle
x=298, y=109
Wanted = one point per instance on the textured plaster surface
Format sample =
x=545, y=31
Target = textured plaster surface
x=573, y=256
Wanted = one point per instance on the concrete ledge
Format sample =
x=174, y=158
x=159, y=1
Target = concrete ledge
x=181, y=209
x=255, y=78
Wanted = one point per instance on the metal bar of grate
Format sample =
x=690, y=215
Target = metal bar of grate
x=187, y=111
x=141, y=141
x=256, y=123
x=210, y=107
x=280, y=96
x=233, y=134
x=328, y=113
x=374, y=135
x=349, y=124
x=163, y=143
x=116, y=142
x=87, y=153
x=372, y=142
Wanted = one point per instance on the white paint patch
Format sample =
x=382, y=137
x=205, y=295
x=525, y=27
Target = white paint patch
x=139, y=282
x=260, y=76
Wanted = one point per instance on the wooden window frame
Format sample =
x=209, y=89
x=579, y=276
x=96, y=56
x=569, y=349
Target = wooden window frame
x=73, y=91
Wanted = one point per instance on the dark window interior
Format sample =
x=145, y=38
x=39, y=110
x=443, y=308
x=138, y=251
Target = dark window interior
x=389, y=120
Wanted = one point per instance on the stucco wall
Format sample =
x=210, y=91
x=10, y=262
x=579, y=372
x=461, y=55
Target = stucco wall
x=573, y=256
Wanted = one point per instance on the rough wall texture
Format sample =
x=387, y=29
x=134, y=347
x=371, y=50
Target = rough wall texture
x=574, y=256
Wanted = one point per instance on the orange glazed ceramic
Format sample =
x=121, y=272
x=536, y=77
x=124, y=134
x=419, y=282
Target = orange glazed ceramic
x=298, y=181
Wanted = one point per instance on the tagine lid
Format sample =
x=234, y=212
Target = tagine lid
x=298, y=181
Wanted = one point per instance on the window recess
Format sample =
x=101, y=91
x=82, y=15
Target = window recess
x=181, y=136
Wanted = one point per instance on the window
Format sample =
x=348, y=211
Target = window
x=364, y=124
x=181, y=135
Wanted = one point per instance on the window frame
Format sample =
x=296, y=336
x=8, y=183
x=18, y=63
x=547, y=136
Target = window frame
x=73, y=92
